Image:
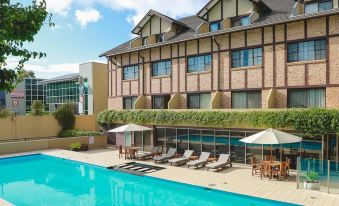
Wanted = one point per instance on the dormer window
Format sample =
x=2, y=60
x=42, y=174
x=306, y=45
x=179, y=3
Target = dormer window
x=144, y=41
x=159, y=38
x=241, y=21
x=318, y=6
x=215, y=26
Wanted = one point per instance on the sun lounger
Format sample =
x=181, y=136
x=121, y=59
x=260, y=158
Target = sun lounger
x=164, y=158
x=221, y=163
x=183, y=159
x=200, y=162
x=155, y=151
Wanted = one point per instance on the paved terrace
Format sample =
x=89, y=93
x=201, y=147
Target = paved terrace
x=237, y=179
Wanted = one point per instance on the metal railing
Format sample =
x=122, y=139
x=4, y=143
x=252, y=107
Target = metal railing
x=328, y=173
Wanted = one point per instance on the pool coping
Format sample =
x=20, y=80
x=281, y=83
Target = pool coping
x=266, y=200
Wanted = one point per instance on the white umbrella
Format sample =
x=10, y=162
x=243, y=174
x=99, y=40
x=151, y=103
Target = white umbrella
x=130, y=128
x=271, y=136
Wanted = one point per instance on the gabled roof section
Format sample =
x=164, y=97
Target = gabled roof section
x=149, y=15
x=212, y=3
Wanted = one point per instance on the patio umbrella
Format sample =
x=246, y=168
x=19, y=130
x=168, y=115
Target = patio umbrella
x=271, y=137
x=130, y=128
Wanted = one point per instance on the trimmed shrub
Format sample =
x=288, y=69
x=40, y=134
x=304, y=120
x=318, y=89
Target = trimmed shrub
x=308, y=121
x=65, y=116
x=78, y=133
x=5, y=113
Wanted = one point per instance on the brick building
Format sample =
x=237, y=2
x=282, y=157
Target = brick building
x=232, y=54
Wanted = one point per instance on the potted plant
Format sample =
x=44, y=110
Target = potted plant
x=312, y=182
x=75, y=147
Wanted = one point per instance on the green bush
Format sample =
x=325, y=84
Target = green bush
x=37, y=108
x=312, y=177
x=78, y=133
x=308, y=121
x=65, y=116
x=5, y=113
x=75, y=146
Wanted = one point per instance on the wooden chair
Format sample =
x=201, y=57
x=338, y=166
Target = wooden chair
x=265, y=169
x=121, y=152
x=288, y=161
x=269, y=158
x=255, y=166
x=280, y=171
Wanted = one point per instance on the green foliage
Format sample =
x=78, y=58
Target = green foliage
x=18, y=25
x=37, y=108
x=78, y=133
x=5, y=113
x=312, y=177
x=75, y=146
x=65, y=116
x=308, y=121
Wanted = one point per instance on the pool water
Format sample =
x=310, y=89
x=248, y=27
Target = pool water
x=37, y=180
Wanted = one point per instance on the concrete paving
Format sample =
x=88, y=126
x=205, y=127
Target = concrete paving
x=237, y=179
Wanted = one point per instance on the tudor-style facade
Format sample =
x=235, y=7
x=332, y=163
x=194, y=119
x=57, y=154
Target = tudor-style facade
x=232, y=54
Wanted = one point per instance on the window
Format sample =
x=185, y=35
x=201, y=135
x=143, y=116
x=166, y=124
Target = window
x=318, y=6
x=247, y=57
x=307, y=50
x=306, y=98
x=242, y=21
x=161, y=68
x=159, y=38
x=199, y=63
x=144, y=41
x=131, y=72
x=128, y=102
x=215, y=26
x=244, y=100
x=160, y=102
x=199, y=101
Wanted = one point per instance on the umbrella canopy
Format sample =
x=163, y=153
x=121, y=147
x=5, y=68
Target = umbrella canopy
x=130, y=128
x=271, y=136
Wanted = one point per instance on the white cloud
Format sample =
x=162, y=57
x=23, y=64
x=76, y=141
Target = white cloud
x=172, y=8
x=60, y=7
x=87, y=16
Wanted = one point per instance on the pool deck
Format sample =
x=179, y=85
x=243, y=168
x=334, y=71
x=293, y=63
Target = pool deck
x=237, y=179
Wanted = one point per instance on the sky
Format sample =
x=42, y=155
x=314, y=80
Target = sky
x=86, y=28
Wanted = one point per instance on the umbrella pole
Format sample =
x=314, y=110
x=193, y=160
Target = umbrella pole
x=271, y=158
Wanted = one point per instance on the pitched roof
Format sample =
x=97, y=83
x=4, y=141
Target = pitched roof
x=149, y=15
x=61, y=78
x=280, y=12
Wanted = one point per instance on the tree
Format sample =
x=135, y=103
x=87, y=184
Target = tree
x=37, y=108
x=18, y=25
x=65, y=116
x=28, y=73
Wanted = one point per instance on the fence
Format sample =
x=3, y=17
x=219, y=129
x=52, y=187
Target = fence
x=328, y=173
x=22, y=127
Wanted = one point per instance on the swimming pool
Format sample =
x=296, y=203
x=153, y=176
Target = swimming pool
x=37, y=180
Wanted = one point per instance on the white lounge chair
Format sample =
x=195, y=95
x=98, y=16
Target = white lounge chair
x=183, y=159
x=221, y=163
x=150, y=155
x=200, y=162
x=164, y=158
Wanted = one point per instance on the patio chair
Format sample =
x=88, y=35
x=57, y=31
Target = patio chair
x=265, y=169
x=255, y=166
x=182, y=160
x=288, y=161
x=165, y=157
x=221, y=163
x=280, y=171
x=121, y=152
x=200, y=162
x=154, y=152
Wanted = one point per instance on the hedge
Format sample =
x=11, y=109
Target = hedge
x=78, y=133
x=307, y=121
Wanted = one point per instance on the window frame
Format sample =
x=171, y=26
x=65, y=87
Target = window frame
x=306, y=93
x=130, y=66
x=163, y=98
x=162, y=61
x=205, y=64
x=199, y=96
x=255, y=58
x=218, y=22
x=318, y=5
x=239, y=18
x=294, y=54
x=247, y=100
x=129, y=98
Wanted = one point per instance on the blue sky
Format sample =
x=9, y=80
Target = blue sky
x=86, y=28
